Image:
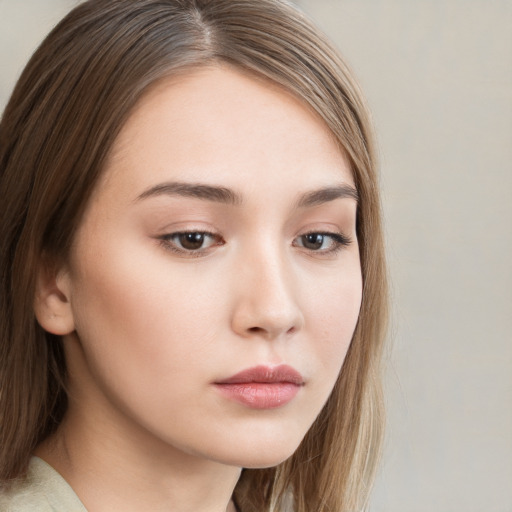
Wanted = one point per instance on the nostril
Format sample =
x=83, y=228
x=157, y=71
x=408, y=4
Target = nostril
x=268, y=332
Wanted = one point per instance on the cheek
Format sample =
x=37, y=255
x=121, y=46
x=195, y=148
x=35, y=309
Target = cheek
x=139, y=320
x=332, y=318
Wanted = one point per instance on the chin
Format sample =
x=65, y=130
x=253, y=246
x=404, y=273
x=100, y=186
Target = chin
x=266, y=462
x=264, y=458
x=255, y=451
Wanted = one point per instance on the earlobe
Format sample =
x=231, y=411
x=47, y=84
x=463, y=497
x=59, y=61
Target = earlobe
x=52, y=301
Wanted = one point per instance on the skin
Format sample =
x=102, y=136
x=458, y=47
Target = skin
x=150, y=327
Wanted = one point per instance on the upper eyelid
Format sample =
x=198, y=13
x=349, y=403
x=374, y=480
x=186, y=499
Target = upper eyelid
x=168, y=236
x=188, y=231
x=338, y=237
x=167, y=242
x=326, y=232
x=339, y=240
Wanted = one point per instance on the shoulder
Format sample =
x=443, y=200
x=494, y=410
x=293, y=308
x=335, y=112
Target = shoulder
x=44, y=490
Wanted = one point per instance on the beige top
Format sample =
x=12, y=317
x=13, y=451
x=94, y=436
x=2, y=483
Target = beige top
x=44, y=490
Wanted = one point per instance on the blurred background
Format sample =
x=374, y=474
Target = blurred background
x=438, y=77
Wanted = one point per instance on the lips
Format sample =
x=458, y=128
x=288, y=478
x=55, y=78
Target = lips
x=262, y=387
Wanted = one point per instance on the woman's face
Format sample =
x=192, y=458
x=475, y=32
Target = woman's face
x=215, y=281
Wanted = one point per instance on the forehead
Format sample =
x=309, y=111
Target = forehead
x=217, y=124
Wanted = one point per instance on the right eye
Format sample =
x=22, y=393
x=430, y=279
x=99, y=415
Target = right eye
x=322, y=243
x=191, y=242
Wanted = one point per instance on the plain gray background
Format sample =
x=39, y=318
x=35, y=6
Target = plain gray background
x=438, y=76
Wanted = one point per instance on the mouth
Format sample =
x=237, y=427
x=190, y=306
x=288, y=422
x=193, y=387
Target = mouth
x=262, y=387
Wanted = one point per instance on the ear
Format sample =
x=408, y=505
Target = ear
x=52, y=304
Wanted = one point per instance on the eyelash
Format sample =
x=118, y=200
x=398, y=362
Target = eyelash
x=167, y=242
x=338, y=241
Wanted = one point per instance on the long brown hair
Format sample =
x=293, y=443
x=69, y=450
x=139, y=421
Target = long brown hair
x=55, y=135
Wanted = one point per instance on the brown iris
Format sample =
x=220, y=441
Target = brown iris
x=313, y=241
x=191, y=241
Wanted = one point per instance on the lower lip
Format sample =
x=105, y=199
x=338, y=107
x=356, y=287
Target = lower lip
x=260, y=395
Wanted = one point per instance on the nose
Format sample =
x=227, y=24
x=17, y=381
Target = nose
x=267, y=304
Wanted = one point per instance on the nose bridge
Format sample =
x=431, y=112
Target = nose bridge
x=267, y=302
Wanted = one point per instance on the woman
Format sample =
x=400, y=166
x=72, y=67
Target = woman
x=192, y=269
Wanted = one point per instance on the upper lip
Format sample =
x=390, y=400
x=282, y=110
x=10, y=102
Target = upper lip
x=266, y=374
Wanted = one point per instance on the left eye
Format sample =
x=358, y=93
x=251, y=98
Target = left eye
x=322, y=242
x=189, y=241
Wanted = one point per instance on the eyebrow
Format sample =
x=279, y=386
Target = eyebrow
x=324, y=195
x=196, y=190
x=225, y=195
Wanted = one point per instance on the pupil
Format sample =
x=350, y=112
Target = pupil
x=313, y=241
x=192, y=241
